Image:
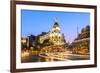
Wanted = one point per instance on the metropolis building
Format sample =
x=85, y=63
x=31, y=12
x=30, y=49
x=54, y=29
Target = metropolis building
x=54, y=36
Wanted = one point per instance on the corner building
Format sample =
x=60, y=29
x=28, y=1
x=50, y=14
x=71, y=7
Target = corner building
x=54, y=36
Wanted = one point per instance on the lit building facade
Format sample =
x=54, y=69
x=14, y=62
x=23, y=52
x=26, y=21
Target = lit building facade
x=82, y=43
x=24, y=43
x=54, y=36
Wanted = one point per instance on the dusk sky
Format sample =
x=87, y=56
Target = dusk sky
x=35, y=22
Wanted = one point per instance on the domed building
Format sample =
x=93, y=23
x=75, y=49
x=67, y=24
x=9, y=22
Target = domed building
x=54, y=36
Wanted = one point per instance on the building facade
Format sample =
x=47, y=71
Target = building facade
x=81, y=44
x=54, y=36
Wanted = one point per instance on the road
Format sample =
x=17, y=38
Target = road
x=54, y=57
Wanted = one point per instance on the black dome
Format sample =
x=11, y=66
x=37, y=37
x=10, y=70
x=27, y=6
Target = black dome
x=56, y=24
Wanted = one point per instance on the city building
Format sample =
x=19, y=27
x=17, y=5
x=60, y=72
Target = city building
x=24, y=43
x=54, y=36
x=81, y=44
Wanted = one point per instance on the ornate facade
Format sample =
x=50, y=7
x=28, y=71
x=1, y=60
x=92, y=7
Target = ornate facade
x=54, y=36
x=81, y=44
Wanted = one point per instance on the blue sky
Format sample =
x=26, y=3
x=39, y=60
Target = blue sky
x=34, y=22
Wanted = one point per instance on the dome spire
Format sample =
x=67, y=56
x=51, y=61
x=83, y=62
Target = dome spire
x=56, y=19
x=56, y=23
